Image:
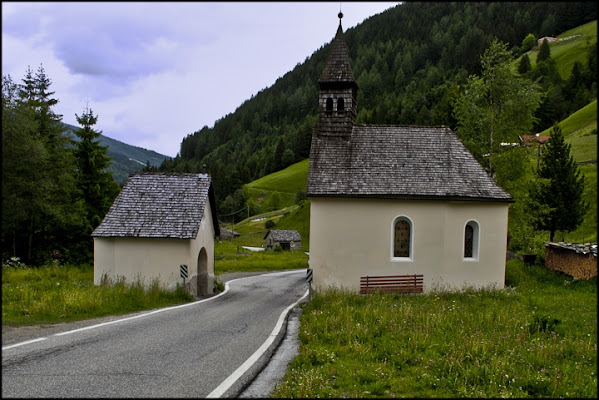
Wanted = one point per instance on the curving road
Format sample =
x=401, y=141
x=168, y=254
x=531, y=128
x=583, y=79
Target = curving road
x=209, y=348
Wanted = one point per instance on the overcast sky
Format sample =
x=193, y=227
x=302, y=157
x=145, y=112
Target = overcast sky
x=155, y=72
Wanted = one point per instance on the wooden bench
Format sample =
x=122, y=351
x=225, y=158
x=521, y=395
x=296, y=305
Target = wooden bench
x=393, y=284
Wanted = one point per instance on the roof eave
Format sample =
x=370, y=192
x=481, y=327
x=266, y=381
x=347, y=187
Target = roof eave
x=414, y=197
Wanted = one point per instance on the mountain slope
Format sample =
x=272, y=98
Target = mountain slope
x=409, y=63
x=126, y=158
x=287, y=182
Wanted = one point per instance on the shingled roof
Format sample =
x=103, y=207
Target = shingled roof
x=338, y=68
x=400, y=162
x=160, y=205
x=389, y=161
x=283, y=235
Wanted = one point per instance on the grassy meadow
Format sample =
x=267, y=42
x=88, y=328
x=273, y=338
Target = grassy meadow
x=286, y=183
x=567, y=52
x=537, y=338
x=53, y=294
x=231, y=257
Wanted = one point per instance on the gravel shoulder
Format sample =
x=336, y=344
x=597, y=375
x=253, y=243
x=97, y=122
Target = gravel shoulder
x=17, y=334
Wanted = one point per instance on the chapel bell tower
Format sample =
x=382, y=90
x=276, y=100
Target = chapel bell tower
x=337, y=90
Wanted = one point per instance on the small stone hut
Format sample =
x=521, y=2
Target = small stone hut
x=287, y=239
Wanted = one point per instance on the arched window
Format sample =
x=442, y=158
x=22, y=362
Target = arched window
x=329, y=104
x=340, y=104
x=402, y=238
x=471, y=240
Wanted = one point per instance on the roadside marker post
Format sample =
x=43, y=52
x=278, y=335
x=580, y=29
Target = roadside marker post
x=309, y=273
x=183, y=272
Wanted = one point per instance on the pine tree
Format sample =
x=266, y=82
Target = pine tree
x=23, y=165
x=544, y=52
x=39, y=193
x=524, y=65
x=95, y=182
x=560, y=187
x=27, y=88
x=277, y=160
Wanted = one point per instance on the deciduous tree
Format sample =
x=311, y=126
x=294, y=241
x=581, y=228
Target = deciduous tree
x=495, y=108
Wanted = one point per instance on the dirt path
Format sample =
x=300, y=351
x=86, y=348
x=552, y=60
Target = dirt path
x=12, y=334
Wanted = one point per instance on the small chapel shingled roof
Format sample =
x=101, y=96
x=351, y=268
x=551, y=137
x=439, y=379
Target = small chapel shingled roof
x=389, y=161
x=160, y=205
x=400, y=162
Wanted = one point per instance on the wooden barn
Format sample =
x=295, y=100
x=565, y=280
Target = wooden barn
x=160, y=224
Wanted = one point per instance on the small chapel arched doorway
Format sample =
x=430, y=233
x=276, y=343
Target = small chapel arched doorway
x=204, y=281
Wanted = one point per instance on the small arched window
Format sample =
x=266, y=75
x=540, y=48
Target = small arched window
x=329, y=107
x=340, y=104
x=402, y=238
x=471, y=240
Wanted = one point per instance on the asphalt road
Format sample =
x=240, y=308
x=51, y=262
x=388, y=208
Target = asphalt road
x=209, y=348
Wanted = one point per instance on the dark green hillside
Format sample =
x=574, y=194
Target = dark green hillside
x=126, y=159
x=579, y=128
x=408, y=62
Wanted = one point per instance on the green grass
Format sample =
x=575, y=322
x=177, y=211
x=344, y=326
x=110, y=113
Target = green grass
x=580, y=130
x=231, y=257
x=53, y=294
x=584, y=148
x=286, y=182
x=536, y=339
x=582, y=123
x=567, y=52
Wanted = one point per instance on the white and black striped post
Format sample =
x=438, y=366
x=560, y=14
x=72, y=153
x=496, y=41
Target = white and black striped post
x=309, y=273
x=183, y=271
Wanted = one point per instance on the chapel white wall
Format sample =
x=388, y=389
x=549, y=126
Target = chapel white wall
x=350, y=238
x=150, y=258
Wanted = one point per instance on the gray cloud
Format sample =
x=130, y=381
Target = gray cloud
x=157, y=71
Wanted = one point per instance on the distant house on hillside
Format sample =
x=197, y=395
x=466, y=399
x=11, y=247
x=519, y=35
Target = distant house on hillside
x=158, y=223
x=397, y=200
x=533, y=140
x=549, y=40
x=287, y=239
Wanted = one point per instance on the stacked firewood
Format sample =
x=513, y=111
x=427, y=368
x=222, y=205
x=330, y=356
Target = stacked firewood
x=579, y=261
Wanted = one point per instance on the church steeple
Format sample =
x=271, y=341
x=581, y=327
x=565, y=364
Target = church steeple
x=337, y=90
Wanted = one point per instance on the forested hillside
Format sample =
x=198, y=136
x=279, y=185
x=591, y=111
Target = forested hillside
x=409, y=63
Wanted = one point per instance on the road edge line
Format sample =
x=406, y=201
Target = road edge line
x=238, y=373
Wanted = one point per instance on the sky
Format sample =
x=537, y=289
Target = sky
x=155, y=72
